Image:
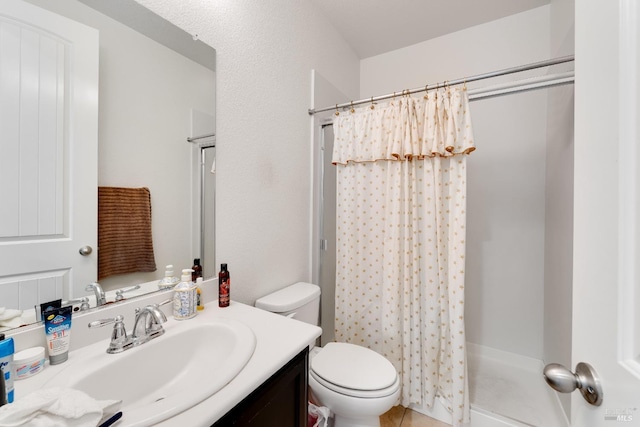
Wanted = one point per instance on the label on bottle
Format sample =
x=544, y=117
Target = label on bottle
x=223, y=293
x=184, y=304
x=5, y=371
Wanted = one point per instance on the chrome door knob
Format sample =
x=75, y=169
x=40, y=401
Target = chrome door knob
x=585, y=379
x=85, y=250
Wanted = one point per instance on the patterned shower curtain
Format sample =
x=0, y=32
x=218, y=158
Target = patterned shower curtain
x=401, y=207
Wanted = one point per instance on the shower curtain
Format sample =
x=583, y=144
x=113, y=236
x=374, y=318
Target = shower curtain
x=401, y=206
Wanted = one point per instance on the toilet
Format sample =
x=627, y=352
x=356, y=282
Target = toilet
x=355, y=383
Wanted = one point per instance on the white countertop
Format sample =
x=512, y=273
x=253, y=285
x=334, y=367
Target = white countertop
x=278, y=340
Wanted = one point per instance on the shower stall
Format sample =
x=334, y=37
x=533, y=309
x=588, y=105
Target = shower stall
x=519, y=252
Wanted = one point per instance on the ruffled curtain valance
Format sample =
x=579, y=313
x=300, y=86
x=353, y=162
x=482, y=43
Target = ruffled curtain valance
x=437, y=124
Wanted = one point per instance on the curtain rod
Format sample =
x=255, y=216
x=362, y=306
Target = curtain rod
x=524, y=85
x=477, y=77
x=196, y=138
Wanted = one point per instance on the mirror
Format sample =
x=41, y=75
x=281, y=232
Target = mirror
x=156, y=89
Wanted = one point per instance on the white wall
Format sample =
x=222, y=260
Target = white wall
x=265, y=54
x=146, y=95
x=506, y=174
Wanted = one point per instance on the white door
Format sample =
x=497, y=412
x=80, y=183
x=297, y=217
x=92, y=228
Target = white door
x=48, y=154
x=606, y=289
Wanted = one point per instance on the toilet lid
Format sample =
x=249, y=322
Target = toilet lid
x=353, y=367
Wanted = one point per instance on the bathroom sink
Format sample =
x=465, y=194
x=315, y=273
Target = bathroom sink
x=166, y=375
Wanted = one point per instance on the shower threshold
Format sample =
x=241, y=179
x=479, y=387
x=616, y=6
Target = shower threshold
x=511, y=387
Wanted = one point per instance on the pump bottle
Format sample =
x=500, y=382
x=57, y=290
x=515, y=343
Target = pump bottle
x=185, y=297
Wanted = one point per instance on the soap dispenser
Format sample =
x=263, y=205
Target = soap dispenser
x=185, y=297
x=169, y=280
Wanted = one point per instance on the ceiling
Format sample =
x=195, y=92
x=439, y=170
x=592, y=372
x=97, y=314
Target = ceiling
x=373, y=27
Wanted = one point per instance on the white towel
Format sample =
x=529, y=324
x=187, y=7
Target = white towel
x=9, y=313
x=56, y=406
x=12, y=318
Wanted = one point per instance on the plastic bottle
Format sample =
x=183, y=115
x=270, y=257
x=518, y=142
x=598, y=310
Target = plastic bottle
x=169, y=280
x=197, y=270
x=185, y=297
x=7, y=349
x=200, y=303
x=224, y=286
x=3, y=391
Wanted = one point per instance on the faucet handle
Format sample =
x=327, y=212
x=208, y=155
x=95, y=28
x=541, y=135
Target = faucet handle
x=103, y=322
x=119, y=292
x=167, y=301
x=119, y=339
x=84, y=303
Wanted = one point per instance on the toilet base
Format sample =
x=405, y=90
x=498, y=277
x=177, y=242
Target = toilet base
x=348, y=411
x=342, y=421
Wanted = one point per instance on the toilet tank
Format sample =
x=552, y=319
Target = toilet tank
x=300, y=301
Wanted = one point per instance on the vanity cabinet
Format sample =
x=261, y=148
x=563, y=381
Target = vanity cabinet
x=281, y=401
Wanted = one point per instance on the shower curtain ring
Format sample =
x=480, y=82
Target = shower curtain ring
x=426, y=91
x=372, y=103
x=337, y=111
x=352, y=110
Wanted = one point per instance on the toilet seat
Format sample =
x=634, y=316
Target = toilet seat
x=356, y=393
x=354, y=371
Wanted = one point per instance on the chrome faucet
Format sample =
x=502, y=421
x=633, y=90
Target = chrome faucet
x=148, y=324
x=97, y=289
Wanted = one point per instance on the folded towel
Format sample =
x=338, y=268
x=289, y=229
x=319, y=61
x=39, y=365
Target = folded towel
x=125, y=244
x=9, y=313
x=57, y=406
x=12, y=318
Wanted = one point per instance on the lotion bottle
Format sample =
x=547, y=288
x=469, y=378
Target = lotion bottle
x=6, y=357
x=185, y=297
x=224, y=284
x=200, y=302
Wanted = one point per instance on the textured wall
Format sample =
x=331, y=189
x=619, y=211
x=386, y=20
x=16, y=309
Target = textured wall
x=265, y=54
